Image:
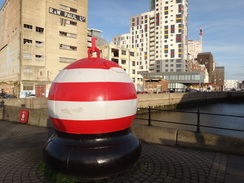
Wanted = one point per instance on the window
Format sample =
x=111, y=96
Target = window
x=123, y=61
x=39, y=43
x=27, y=41
x=27, y=71
x=68, y=8
x=39, y=29
x=27, y=26
x=28, y=87
x=178, y=18
x=27, y=56
x=180, y=7
x=145, y=27
x=133, y=63
x=178, y=38
x=157, y=19
x=73, y=10
x=64, y=7
x=67, y=47
x=73, y=48
x=39, y=57
x=132, y=54
x=62, y=33
x=73, y=23
x=172, y=29
x=172, y=53
x=133, y=22
x=67, y=60
x=123, y=52
x=66, y=34
x=166, y=12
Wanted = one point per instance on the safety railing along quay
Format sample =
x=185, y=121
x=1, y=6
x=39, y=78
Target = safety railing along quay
x=197, y=114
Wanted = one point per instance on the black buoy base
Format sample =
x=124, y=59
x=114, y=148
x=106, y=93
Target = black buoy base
x=92, y=155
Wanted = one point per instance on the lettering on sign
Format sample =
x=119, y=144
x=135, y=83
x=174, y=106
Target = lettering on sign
x=67, y=14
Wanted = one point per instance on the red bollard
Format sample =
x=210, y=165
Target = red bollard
x=92, y=104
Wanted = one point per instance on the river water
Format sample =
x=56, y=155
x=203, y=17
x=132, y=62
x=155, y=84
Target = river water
x=226, y=108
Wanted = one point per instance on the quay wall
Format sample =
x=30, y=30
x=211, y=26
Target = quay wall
x=173, y=100
x=144, y=100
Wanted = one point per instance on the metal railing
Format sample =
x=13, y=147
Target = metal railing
x=198, y=114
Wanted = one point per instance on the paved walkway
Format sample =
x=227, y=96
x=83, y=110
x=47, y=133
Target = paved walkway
x=21, y=154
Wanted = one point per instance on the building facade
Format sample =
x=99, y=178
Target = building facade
x=206, y=58
x=96, y=34
x=194, y=48
x=123, y=40
x=38, y=39
x=231, y=84
x=124, y=57
x=161, y=36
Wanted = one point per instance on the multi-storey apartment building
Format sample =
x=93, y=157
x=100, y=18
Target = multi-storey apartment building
x=126, y=58
x=38, y=39
x=161, y=36
x=124, y=40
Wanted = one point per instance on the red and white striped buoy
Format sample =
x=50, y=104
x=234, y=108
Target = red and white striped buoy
x=92, y=96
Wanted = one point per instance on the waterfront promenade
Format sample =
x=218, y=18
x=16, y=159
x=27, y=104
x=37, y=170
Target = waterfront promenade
x=21, y=154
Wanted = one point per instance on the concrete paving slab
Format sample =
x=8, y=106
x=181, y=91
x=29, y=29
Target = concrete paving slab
x=235, y=169
x=21, y=153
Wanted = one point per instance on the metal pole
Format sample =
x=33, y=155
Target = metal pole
x=149, y=116
x=198, y=121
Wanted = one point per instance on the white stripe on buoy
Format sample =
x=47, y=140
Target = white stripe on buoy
x=98, y=110
x=92, y=75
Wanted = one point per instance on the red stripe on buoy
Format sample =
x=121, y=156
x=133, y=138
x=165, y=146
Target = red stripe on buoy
x=92, y=127
x=92, y=63
x=95, y=91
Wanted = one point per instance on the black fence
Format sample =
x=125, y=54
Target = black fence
x=198, y=115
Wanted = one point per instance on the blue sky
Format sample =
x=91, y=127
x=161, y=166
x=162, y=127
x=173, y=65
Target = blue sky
x=222, y=22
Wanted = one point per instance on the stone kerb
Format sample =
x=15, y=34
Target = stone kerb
x=189, y=139
x=212, y=142
x=158, y=135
